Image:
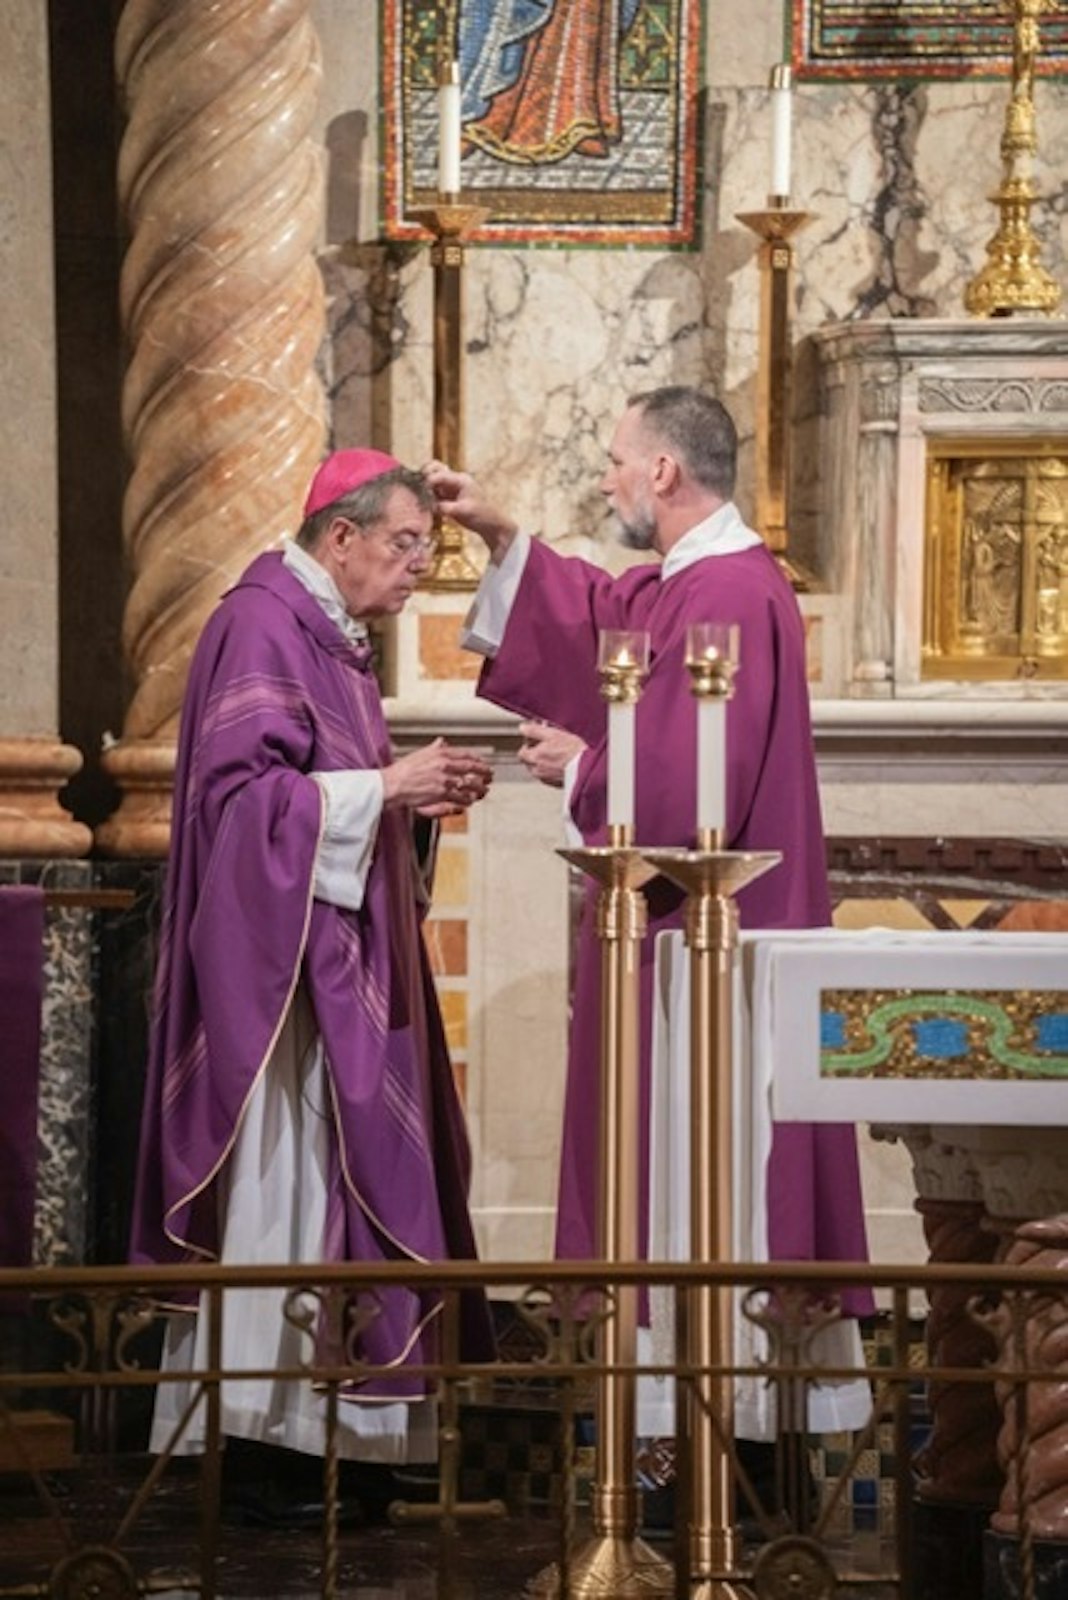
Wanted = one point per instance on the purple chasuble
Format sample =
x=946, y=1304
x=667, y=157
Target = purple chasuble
x=546, y=667
x=275, y=693
x=21, y=990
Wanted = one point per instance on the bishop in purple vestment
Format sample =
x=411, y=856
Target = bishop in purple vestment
x=537, y=619
x=300, y=1103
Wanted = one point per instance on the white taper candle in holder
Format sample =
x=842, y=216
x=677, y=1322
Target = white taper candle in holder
x=622, y=663
x=781, y=115
x=712, y=660
x=449, y=128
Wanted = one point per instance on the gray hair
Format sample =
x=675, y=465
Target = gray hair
x=366, y=504
x=698, y=428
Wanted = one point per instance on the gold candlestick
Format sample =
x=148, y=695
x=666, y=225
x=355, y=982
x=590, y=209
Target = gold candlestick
x=616, y=1564
x=711, y=879
x=775, y=227
x=451, y=221
x=1014, y=279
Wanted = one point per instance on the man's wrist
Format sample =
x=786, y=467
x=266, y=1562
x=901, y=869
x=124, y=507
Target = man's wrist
x=499, y=540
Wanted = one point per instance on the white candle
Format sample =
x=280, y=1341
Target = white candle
x=621, y=765
x=712, y=762
x=449, y=130
x=781, y=108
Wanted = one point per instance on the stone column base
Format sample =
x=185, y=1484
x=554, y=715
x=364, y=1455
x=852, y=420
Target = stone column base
x=947, y=1545
x=32, y=821
x=141, y=827
x=1003, y=1577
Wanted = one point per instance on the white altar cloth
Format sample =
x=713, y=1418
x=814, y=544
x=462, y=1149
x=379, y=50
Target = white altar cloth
x=832, y=1406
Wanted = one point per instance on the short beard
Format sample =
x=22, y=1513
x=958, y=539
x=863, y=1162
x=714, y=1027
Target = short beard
x=639, y=533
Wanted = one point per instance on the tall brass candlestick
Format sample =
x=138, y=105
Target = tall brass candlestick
x=1014, y=279
x=775, y=227
x=616, y=1563
x=711, y=877
x=451, y=222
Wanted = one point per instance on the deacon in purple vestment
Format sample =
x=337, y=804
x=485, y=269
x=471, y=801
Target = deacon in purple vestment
x=291, y=932
x=669, y=480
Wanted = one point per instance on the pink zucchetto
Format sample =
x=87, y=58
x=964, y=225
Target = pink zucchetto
x=342, y=472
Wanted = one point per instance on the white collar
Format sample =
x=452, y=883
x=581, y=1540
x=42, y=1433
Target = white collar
x=721, y=534
x=321, y=586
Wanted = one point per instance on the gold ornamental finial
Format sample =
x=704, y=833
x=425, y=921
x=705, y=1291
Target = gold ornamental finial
x=1014, y=279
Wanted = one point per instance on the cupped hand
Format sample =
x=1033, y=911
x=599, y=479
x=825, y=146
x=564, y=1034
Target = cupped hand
x=547, y=751
x=438, y=775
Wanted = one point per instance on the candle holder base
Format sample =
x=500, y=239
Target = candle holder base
x=613, y=867
x=776, y=222
x=450, y=218
x=721, y=1589
x=716, y=872
x=610, y=1567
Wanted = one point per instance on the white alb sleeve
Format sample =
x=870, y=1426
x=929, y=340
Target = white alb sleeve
x=572, y=834
x=487, y=619
x=353, y=801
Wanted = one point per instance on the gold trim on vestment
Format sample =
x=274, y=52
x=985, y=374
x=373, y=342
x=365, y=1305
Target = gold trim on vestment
x=186, y=1244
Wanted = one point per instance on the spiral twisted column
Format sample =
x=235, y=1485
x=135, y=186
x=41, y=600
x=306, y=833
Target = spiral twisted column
x=1033, y=1441
x=959, y=1464
x=222, y=307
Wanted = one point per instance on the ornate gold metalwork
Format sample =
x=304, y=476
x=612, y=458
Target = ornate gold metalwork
x=1014, y=279
x=793, y=1568
x=621, y=682
x=95, y=1573
x=996, y=560
x=775, y=227
x=1030, y=1368
x=451, y=222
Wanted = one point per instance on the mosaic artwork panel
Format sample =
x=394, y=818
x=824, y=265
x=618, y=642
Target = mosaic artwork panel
x=992, y=1034
x=862, y=39
x=579, y=116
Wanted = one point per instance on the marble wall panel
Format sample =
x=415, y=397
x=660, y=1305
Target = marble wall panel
x=63, y=1206
x=27, y=379
x=98, y=962
x=555, y=339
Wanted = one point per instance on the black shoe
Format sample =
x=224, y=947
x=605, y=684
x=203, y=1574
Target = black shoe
x=269, y=1505
x=266, y=1486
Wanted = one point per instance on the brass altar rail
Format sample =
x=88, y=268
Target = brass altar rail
x=90, y=1327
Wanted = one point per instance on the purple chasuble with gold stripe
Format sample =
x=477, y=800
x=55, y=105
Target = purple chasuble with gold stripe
x=276, y=693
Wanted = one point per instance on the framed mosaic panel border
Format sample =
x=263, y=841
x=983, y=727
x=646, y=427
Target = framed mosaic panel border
x=866, y=39
x=582, y=129
x=915, y=1027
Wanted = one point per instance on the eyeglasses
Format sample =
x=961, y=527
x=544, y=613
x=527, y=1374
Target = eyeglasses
x=406, y=546
x=402, y=546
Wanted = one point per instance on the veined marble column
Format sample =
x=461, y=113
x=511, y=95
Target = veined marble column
x=222, y=307
x=34, y=765
x=1036, y=1338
